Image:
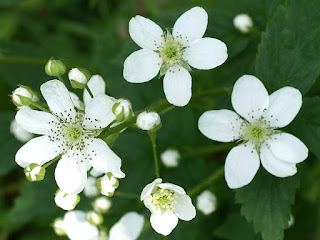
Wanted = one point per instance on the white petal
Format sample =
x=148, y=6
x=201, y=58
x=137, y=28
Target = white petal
x=274, y=165
x=220, y=125
x=141, y=66
x=128, y=227
x=71, y=173
x=78, y=228
x=241, y=165
x=58, y=99
x=172, y=187
x=105, y=160
x=191, y=25
x=76, y=101
x=184, y=208
x=177, y=86
x=164, y=223
x=38, y=150
x=284, y=105
x=288, y=148
x=98, y=113
x=96, y=85
x=145, y=33
x=148, y=189
x=37, y=122
x=206, y=53
x=249, y=97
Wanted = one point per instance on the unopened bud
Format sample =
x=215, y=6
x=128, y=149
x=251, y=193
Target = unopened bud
x=23, y=96
x=91, y=190
x=107, y=184
x=34, y=172
x=122, y=109
x=149, y=121
x=243, y=23
x=79, y=77
x=59, y=227
x=55, y=68
x=102, y=204
x=207, y=202
x=94, y=218
x=170, y=158
x=66, y=201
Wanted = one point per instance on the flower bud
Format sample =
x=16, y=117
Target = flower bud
x=59, y=227
x=23, y=96
x=102, y=204
x=19, y=133
x=94, y=218
x=122, y=109
x=34, y=172
x=107, y=184
x=91, y=190
x=170, y=158
x=66, y=201
x=55, y=68
x=149, y=121
x=207, y=202
x=243, y=23
x=79, y=77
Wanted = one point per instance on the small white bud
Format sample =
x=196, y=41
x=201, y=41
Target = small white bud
x=122, y=109
x=207, y=202
x=55, y=68
x=102, y=204
x=107, y=184
x=94, y=218
x=243, y=23
x=66, y=201
x=148, y=121
x=170, y=158
x=79, y=77
x=91, y=190
x=23, y=96
x=19, y=133
x=59, y=227
x=34, y=172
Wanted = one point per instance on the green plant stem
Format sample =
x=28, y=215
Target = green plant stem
x=126, y=195
x=61, y=79
x=89, y=91
x=215, y=175
x=52, y=161
x=37, y=105
x=23, y=60
x=153, y=136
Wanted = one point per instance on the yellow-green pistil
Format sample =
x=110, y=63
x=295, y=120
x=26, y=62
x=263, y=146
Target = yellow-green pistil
x=163, y=199
x=74, y=132
x=257, y=132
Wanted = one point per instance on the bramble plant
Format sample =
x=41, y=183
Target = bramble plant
x=92, y=159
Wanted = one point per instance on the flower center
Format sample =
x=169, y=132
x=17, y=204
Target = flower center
x=256, y=132
x=172, y=50
x=163, y=199
x=74, y=132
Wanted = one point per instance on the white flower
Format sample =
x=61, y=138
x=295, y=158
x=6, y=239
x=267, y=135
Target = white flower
x=23, y=96
x=69, y=133
x=148, y=120
x=243, y=23
x=76, y=101
x=262, y=114
x=107, y=184
x=91, y=190
x=94, y=218
x=102, y=204
x=77, y=227
x=171, y=54
x=207, y=202
x=170, y=158
x=128, y=227
x=167, y=203
x=66, y=201
x=59, y=227
x=97, y=86
x=19, y=133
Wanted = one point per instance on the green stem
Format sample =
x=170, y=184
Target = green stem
x=126, y=195
x=153, y=136
x=89, y=91
x=23, y=60
x=215, y=175
x=61, y=79
x=37, y=105
x=52, y=161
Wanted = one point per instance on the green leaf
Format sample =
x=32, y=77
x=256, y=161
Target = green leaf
x=266, y=202
x=288, y=54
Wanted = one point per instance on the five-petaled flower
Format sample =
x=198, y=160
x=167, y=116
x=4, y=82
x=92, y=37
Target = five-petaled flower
x=167, y=203
x=71, y=133
x=262, y=116
x=173, y=53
